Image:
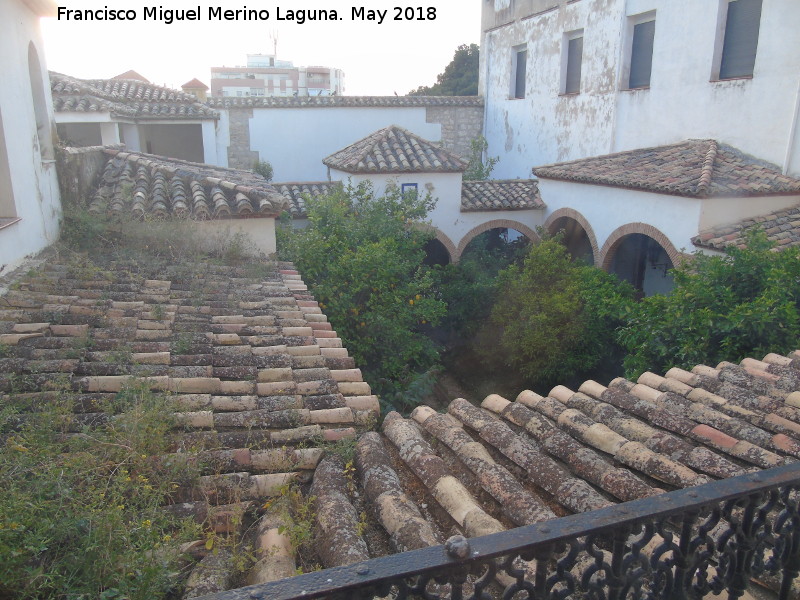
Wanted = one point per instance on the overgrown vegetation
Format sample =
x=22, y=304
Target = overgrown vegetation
x=479, y=169
x=722, y=308
x=264, y=168
x=362, y=254
x=460, y=77
x=81, y=515
x=556, y=317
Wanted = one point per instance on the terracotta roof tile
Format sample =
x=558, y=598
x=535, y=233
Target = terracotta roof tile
x=782, y=227
x=394, y=150
x=345, y=101
x=694, y=168
x=125, y=98
x=195, y=84
x=500, y=194
x=296, y=193
x=145, y=184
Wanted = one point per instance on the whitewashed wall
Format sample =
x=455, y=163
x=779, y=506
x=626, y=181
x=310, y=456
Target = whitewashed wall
x=295, y=140
x=33, y=180
x=758, y=115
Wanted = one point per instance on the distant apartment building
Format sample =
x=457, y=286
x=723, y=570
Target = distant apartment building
x=265, y=75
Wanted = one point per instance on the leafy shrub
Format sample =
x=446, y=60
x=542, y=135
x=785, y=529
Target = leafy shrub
x=264, y=168
x=722, y=308
x=363, y=258
x=477, y=169
x=556, y=317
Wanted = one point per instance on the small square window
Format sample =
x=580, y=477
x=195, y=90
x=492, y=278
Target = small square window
x=573, y=57
x=742, y=24
x=408, y=188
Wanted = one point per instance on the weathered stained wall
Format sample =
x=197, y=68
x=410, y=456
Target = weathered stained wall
x=33, y=183
x=758, y=115
x=295, y=140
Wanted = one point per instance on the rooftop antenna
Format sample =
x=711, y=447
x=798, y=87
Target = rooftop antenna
x=273, y=35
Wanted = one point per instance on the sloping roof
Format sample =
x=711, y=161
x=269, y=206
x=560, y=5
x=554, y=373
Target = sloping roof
x=258, y=376
x=500, y=194
x=344, y=101
x=131, y=74
x=782, y=227
x=296, y=192
x=394, y=150
x=693, y=168
x=194, y=84
x=125, y=98
x=262, y=382
x=145, y=184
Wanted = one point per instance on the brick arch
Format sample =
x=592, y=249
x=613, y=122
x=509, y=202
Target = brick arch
x=573, y=214
x=610, y=247
x=442, y=237
x=507, y=223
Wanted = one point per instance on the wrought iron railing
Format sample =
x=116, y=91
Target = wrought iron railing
x=709, y=539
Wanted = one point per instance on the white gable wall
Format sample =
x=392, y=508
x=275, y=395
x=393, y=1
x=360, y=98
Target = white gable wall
x=33, y=177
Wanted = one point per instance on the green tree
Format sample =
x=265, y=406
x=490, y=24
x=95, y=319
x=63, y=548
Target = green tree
x=722, y=308
x=363, y=258
x=477, y=169
x=460, y=77
x=556, y=316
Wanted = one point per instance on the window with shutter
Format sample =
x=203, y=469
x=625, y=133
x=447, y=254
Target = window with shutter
x=642, y=55
x=520, y=65
x=574, y=59
x=741, y=39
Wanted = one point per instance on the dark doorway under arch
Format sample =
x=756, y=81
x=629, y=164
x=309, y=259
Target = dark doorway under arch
x=436, y=253
x=574, y=238
x=644, y=263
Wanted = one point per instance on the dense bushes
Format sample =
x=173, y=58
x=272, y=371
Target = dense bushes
x=363, y=258
x=722, y=308
x=556, y=317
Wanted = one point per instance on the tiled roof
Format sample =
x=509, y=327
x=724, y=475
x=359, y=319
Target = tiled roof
x=262, y=379
x=500, y=194
x=782, y=227
x=344, y=101
x=258, y=376
x=694, y=168
x=394, y=150
x=145, y=184
x=131, y=74
x=195, y=84
x=125, y=98
x=297, y=192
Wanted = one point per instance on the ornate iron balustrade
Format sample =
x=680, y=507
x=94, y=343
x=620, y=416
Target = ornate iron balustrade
x=689, y=543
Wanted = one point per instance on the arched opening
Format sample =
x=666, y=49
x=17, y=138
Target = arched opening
x=8, y=208
x=503, y=244
x=43, y=126
x=643, y=262
x=574, y=238
x=508, y=231
x=436, y=253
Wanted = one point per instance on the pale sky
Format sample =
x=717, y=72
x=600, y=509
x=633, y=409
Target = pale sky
x=377, y=59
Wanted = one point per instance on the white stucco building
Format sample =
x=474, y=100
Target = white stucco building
x=143, y=116
x=587, y=81
x=30, y=207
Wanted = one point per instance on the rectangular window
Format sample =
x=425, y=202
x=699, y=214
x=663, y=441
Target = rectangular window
x=519, y=68
x=642, y=55
x=408, y=188
x=741, y=39
x=572, y=79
